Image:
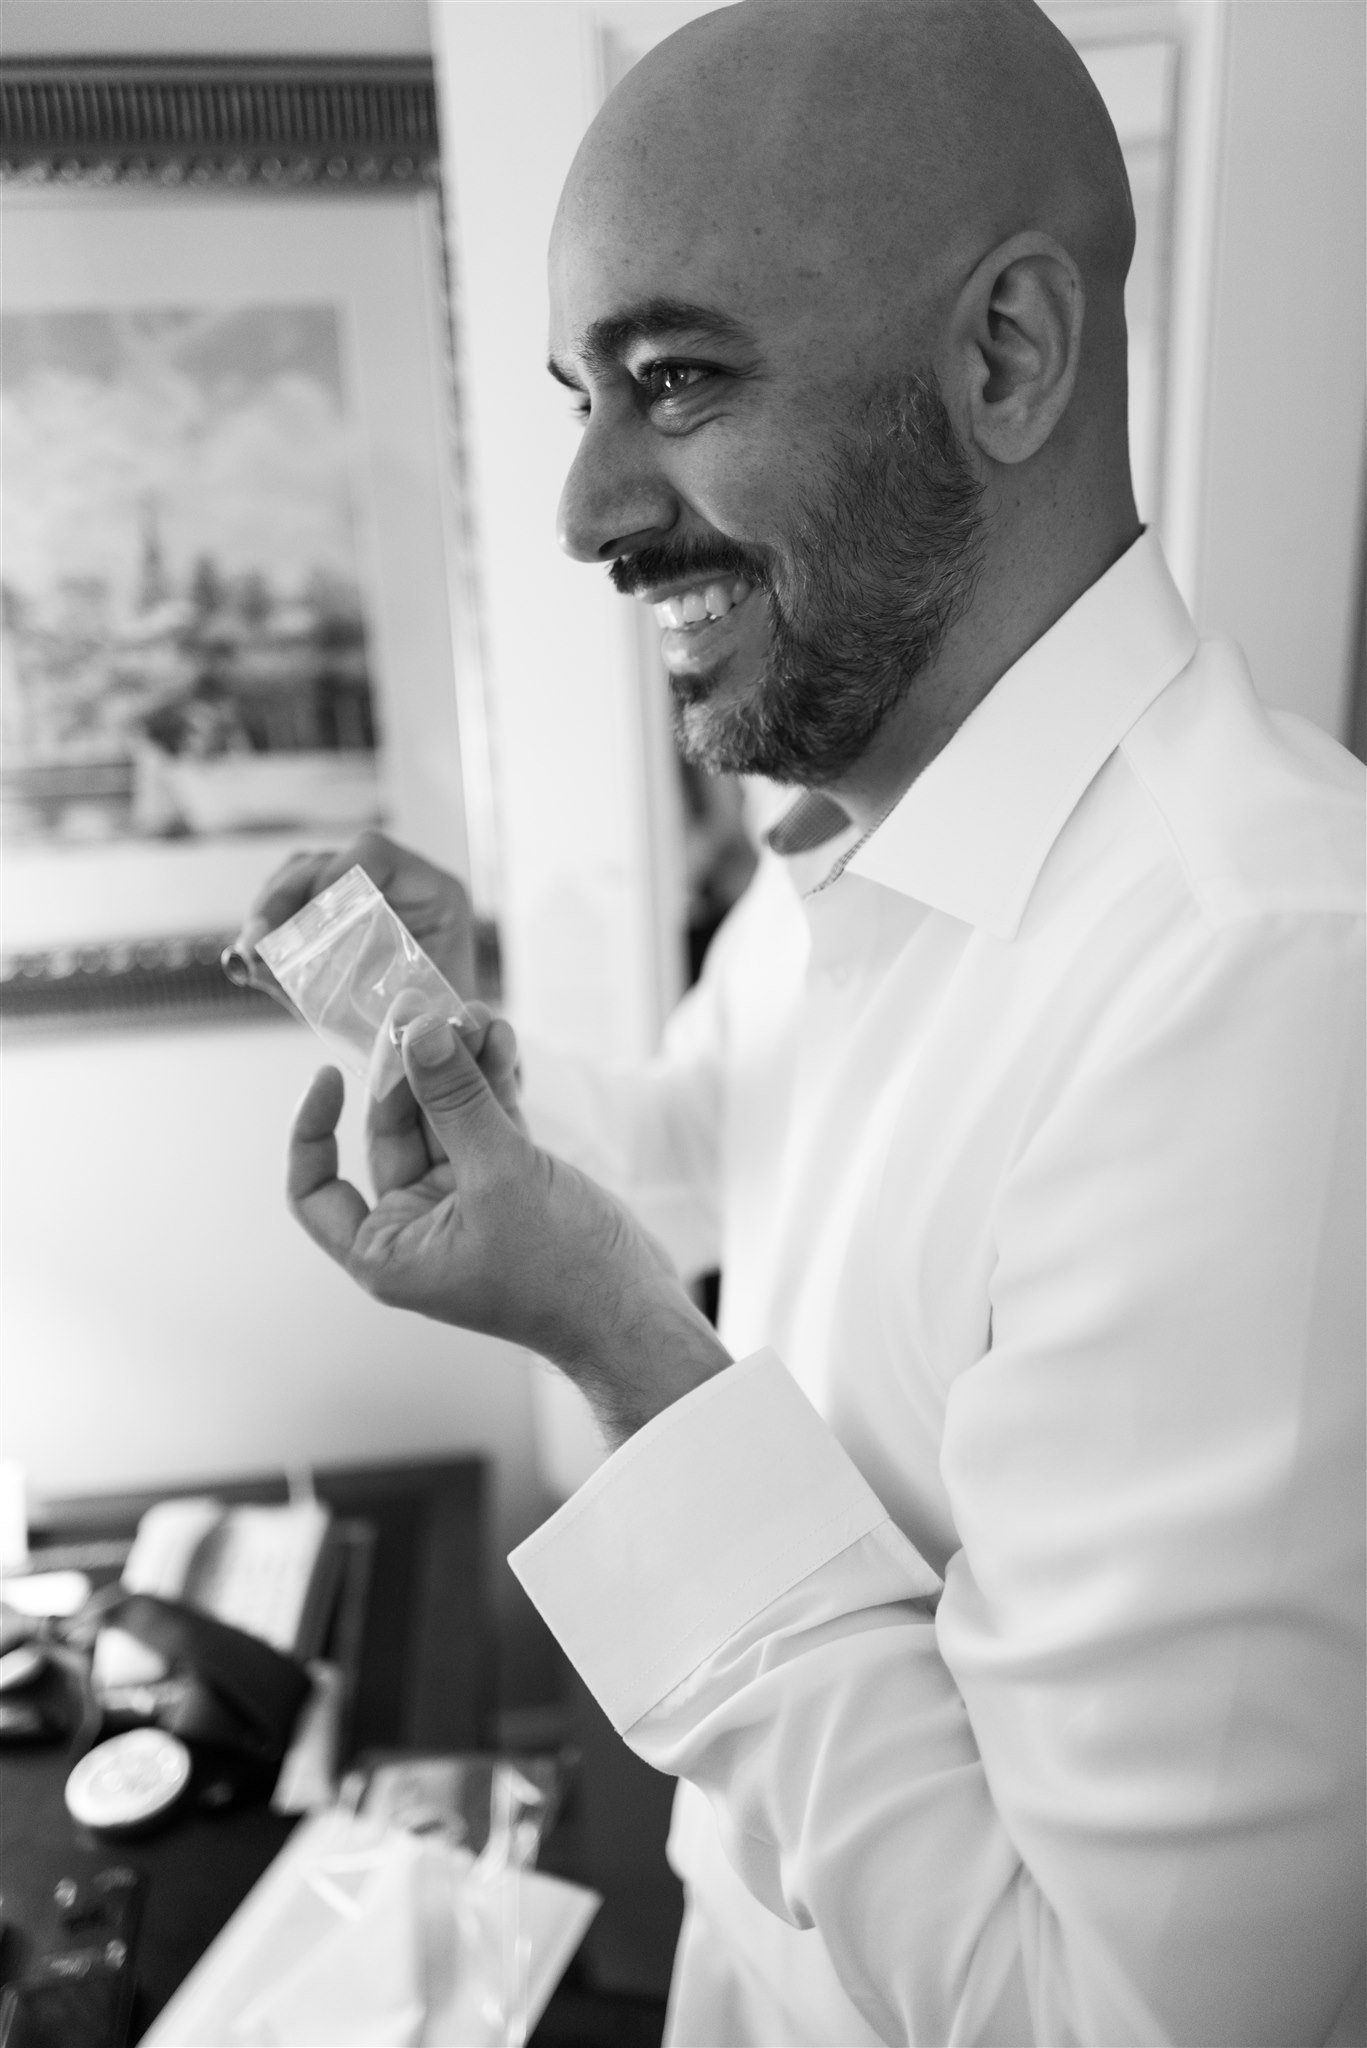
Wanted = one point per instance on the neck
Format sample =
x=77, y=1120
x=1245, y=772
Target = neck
x=1019, y=596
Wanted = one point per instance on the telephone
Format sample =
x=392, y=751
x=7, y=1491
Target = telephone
x=270, y=1571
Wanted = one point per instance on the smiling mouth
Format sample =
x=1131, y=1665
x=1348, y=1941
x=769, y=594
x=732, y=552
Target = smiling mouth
x=702, y=604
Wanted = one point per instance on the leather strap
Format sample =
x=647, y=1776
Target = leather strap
x=234, y=1692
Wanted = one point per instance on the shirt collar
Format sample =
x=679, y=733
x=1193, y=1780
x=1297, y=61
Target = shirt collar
x=814, y=820
x=973, y=832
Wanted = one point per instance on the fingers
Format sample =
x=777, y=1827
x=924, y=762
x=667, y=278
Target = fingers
x=432, y=903
x=498, y=1061
x=292, y=885
x=386, y=862
x=453, y=1094
x=400, y=1143
x=488, y=1039
x=296, y=882
x=286, y=891
x=492, y=1043
x=331, y=1210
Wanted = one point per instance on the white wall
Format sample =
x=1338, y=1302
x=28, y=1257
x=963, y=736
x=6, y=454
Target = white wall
x=1281, y=531
x=163, y=1315
x=108, y=28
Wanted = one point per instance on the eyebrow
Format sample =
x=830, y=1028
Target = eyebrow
x=606, y=341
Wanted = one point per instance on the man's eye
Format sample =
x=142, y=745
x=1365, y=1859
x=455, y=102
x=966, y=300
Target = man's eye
x=670, y=380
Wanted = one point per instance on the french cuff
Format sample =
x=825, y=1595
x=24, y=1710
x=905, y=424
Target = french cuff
x=717, y=1507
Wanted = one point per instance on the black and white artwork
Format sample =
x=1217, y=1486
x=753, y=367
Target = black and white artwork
x=184, y=649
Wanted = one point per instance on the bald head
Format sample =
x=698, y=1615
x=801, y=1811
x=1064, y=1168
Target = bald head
x=862, y=153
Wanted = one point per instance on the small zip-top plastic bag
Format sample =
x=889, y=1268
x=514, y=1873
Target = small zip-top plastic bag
x=344, y=961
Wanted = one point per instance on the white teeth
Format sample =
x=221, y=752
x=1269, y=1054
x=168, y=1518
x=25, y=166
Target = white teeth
x=691, y=607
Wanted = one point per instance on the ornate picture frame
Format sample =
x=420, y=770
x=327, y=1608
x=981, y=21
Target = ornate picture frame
x=269, y=236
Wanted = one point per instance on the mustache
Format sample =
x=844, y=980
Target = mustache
x=687, y=561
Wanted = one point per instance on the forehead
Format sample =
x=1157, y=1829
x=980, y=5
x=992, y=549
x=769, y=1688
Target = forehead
x=618, y=241
x=718, y=186
x=673, y=233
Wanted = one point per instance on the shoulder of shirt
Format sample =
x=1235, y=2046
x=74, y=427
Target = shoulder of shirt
x=1262, y=812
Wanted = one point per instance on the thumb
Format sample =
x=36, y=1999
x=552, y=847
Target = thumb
x=450, y=1089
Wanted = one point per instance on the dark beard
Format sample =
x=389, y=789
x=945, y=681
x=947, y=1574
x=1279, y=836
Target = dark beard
x=860, y=596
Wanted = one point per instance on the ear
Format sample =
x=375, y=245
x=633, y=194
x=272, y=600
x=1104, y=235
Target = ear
x=1018, y=326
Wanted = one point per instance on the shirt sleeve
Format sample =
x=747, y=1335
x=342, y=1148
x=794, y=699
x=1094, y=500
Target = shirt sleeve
x=1105, y=1784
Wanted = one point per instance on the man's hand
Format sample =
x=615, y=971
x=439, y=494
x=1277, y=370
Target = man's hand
x=475, y=1225
x=432, y=904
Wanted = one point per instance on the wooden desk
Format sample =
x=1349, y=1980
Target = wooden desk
x=425, y=1682
x=198, y=1870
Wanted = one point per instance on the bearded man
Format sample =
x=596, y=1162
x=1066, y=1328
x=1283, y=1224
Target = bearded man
x=992, y=1577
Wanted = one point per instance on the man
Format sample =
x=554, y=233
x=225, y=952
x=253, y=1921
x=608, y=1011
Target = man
x=992, y=1578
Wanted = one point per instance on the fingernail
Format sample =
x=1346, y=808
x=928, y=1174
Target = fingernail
x=465, y=1024
x=235, y=964
x=431, y=1040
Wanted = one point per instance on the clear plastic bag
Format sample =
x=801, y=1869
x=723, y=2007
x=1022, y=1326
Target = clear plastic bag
x=352, y=968
x=492, y=1812
x=408, y=1915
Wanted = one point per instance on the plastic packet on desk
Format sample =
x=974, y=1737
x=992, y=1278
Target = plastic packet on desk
x=413, y=1935
x=492, y=1812
x=344, y=960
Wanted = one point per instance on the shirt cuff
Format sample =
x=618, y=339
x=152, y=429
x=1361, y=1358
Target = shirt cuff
x=716, y=1508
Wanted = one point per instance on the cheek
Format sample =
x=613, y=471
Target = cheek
x=748, y=485
x=733, y=493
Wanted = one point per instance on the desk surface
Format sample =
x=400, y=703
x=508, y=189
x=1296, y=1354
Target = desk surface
x=198, y=1869
x=424, y=1685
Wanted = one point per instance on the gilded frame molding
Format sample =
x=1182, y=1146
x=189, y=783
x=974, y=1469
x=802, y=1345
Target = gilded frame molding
x=174, y=122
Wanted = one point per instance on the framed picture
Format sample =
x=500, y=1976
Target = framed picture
x=237, y=608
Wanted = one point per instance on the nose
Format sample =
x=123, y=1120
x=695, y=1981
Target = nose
x=614, y=500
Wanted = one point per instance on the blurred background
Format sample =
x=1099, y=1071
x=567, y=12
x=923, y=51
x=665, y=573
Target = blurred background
x=280, y=468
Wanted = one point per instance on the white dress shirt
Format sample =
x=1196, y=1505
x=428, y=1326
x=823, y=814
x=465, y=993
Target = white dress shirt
x=1002, y=1608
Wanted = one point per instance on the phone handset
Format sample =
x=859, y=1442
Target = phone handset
x=168, y=1547
x=171, y=1538
x=263, y=1569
